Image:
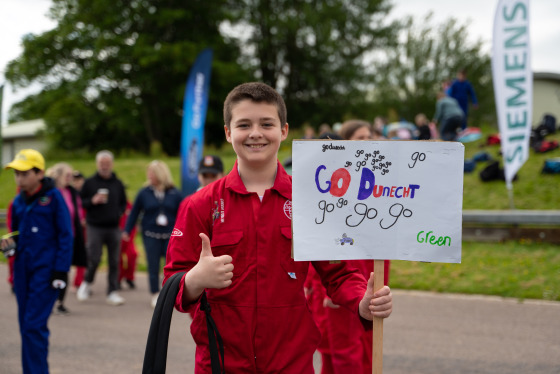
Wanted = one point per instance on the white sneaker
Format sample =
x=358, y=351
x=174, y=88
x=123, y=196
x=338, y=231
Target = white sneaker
x=154, y=299
x=84, y=291
x=114, y=299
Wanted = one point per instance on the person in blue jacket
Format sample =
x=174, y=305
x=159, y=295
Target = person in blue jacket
x=42, y=233
x=462, y=91
x=158, y=201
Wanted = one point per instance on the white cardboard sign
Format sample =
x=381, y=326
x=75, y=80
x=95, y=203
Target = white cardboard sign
x=382, y=200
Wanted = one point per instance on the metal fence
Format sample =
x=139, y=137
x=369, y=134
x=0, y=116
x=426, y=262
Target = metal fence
x=494, y=225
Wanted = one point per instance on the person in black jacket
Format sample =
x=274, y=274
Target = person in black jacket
x=104, y=200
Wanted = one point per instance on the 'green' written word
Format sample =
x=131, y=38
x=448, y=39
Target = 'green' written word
x=429, y=238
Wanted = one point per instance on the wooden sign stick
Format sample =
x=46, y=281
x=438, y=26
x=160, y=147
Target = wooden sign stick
x=377, y=355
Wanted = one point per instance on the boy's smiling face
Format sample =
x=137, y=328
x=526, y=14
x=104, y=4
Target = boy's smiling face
x=255, y=132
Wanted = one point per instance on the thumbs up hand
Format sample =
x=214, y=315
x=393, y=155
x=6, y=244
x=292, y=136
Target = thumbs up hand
x=216, y=271
x=376, y=304
x=209, y=272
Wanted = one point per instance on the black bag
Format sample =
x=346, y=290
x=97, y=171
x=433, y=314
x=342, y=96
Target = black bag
x=492, y=172
x=155, y=357
x=537, y=135
x=549, y=123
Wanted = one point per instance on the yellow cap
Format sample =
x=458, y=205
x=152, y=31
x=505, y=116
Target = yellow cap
x=27, y=159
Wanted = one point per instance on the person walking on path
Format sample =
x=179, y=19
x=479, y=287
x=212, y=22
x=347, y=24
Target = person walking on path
x=77, y=182
x=61, y=173
x=462, y=91
x=158, y=202
x=42, y=236
x=104, y=199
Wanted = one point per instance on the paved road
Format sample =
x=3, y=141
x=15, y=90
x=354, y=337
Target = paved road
x=427, y=334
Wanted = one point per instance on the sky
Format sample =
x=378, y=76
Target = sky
x=20, y=17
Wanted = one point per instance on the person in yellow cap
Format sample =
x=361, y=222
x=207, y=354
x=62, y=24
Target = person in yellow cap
x=43, y=253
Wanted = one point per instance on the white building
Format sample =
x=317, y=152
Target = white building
x=22, y=135
x=546, y=96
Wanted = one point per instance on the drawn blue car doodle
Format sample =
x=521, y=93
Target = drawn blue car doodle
x=346, y=239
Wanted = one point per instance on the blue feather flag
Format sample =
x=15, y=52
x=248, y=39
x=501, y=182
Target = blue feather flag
x=195, y=105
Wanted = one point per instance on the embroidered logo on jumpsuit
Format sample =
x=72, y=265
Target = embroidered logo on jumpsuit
x=215, y=212
x=288, y=209
x=218, y=211
x=45, y=200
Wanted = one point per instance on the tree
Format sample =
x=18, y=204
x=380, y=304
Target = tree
x=313, y=51
x=409, y=75
x=114, y=71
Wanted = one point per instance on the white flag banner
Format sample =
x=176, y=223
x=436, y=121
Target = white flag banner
x=513, y=82
x=379, y=200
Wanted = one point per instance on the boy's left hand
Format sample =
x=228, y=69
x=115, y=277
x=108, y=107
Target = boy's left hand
x=376, y=304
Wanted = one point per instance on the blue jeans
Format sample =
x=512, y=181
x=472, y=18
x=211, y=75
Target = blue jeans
x=155, y=250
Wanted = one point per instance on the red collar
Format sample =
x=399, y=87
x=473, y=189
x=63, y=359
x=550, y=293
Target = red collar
x=282, y=182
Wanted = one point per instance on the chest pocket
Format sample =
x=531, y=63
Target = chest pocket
x=227, y=243
x=294, y=269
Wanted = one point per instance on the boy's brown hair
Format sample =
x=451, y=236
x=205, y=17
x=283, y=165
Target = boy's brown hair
x=257, y=92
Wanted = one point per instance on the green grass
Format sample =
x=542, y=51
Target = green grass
x=532, y=190
x=521, y=270
x=131, y=170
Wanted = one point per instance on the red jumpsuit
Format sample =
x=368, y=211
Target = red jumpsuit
x=345, y=347
x=263, y=316
x=128, y=249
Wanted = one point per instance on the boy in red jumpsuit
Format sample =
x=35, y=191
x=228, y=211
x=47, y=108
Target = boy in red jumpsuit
x=234, y=240
x=128, y=250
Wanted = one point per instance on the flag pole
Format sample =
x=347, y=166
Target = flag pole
x=509, y=187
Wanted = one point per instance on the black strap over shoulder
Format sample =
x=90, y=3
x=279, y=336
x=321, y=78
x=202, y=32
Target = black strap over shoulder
x=215, y=342
x=155, y=356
